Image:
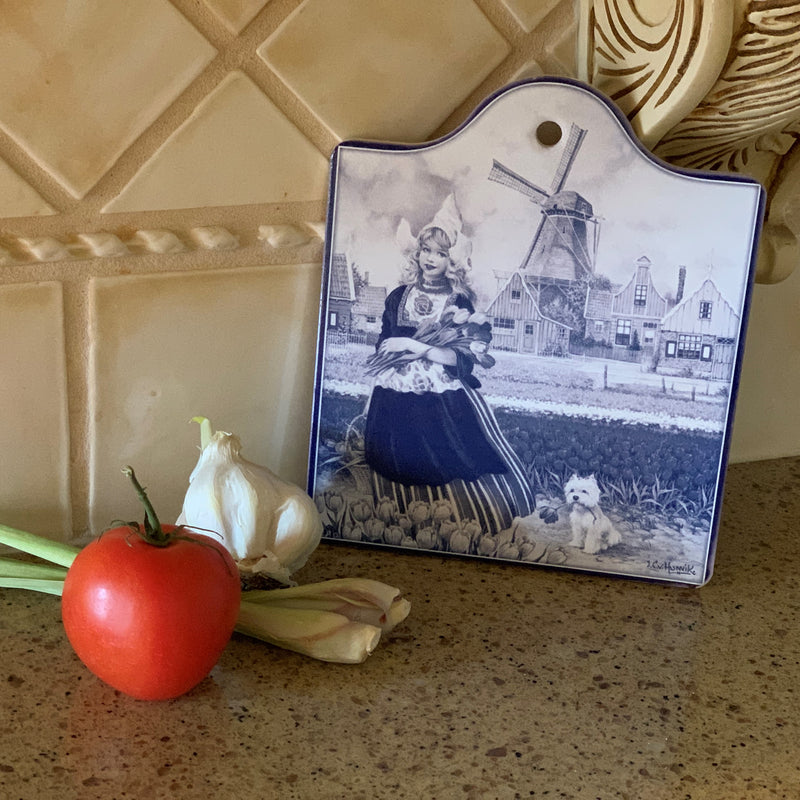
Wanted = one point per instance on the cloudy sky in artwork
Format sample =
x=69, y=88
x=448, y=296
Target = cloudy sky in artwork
x=642, y=208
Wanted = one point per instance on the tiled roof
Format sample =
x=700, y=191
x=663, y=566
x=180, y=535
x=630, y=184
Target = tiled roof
x=341, y=284
x=598, y=304
x=371, y=301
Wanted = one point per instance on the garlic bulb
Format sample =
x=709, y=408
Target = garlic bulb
x=269, y=526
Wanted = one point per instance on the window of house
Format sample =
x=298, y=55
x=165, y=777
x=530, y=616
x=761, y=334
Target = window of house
x=504, y=323
x=516, y=294
x=670, y=349
x=528, y=329
x=333, y=319
x=371, y=319
x=705, y=310
x=706, y=352
x=689, y=345
x=640, y=295
x=623, y=332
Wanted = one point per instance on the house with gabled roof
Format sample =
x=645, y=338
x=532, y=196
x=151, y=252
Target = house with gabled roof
x=629, y=314
x=637, y=309
x=367, y=311
x=519, y=325
x=700, y=334
x=597, y=313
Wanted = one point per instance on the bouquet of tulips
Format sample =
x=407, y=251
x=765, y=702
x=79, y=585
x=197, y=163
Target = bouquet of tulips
x=467, y=333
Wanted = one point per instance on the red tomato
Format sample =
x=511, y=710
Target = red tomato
x=151, y=621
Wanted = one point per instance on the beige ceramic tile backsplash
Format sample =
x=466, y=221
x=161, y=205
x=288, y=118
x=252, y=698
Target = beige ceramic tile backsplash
x=230, y=344
x=34, y=436
x=529, y=13
x=79, y=82
x=17, y=198
x=258, y=157
x=396, y=74
x=235, y=13
x=163, y=171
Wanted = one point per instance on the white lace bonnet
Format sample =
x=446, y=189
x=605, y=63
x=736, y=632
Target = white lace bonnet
x=448, y=219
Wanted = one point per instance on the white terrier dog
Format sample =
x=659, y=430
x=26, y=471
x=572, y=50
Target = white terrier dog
x=591, y=528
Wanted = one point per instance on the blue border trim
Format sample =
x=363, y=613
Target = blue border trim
x=736, y=377
x=322, y=324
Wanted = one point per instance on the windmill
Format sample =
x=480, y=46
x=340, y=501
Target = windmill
x=564, y=245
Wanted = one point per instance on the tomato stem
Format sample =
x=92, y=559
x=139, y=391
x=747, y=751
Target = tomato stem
x=153, y=533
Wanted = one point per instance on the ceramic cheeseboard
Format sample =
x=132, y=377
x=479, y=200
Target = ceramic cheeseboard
x=530, y=340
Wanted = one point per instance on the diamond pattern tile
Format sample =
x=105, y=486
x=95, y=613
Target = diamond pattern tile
x=530, y=69
x=562, y=52
x=34, y=437
x=18, y=198
x=236, y=14
x=529, y=13
x=236, y=148
x=384, y=69
x=80, y=81
x=236, y=346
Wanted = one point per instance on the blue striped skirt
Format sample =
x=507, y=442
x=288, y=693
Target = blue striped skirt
x=445, y=446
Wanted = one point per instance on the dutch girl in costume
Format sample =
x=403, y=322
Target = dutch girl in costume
x=429, y=434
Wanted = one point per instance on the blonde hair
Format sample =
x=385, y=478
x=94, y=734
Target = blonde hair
x=455, y=273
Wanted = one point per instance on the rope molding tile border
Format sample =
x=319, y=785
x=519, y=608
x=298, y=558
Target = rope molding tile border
x=20, y=250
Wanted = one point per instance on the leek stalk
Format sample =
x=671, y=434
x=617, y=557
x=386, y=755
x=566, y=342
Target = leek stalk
x=338, y=620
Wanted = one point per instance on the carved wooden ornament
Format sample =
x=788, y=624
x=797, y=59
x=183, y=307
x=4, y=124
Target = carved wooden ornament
x=709, y=84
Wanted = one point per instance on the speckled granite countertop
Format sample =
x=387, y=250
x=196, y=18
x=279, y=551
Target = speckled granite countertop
x=505, y=682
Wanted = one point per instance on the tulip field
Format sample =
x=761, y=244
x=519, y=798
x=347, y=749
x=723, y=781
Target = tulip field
x=654, y=449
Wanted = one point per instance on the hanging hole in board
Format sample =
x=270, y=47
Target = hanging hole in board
x=548, y=133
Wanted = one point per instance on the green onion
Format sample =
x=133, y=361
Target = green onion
x=56, y=552
x=14, y=568
x=323, y=635
x=339, y=620
x=47, y=578
x=45, y=585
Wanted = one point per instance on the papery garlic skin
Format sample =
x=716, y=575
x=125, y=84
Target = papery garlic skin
x=269, y=526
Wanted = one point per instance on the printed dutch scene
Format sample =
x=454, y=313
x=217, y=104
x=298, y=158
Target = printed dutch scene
x=529, y=343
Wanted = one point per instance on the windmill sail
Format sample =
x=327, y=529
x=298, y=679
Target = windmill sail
x=560, y=250
x=503, y=175
x=574, y=142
